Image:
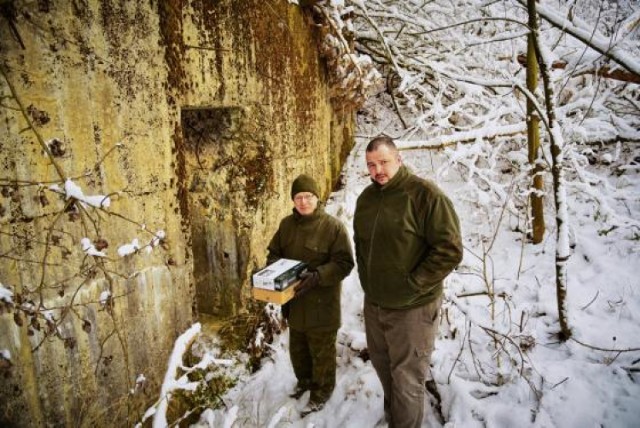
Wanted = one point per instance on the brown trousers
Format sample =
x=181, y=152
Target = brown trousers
x=400, y=344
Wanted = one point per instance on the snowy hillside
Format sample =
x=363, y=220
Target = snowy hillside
x=505, y=371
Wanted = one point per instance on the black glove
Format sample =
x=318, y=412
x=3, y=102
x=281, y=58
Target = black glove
x=285, y=309
x=310, y=279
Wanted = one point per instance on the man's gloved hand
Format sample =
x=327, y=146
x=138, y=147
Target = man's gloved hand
x=286, y=310
x=309, y=280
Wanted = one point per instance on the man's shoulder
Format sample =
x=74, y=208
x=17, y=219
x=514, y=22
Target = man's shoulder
x=287, y=220
x=422, y=186
x=330, y=220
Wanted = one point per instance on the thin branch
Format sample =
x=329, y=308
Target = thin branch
x=591, y=302
x=390, y=56
x=598, y=348
x=462, y=342
x=605, y=71
x=594, y=42
x=471, y=21
x=442, y=141
x=44, y=145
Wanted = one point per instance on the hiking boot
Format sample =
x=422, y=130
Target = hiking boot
x=298, y=392
x=311, y=407
x=432, y=389
x=301, y=387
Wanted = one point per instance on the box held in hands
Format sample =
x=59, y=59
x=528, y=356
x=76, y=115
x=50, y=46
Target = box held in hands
x=279, y=275
x=274, y=296
x=275, y=283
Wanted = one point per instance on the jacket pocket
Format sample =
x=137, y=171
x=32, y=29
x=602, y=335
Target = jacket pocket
x=316, y=251
x=414, y=285
x=323, y=309
x=390, y=288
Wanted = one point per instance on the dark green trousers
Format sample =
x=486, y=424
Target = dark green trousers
x=313, y=357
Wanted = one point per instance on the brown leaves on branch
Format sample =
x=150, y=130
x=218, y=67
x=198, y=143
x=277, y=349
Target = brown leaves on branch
x=352, y=77
x=604, y=71
x=18, y=319
x=57, y=148
x=70, y=342
x=101, y=244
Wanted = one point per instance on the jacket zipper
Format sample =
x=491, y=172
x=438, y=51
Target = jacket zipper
x=373, y=234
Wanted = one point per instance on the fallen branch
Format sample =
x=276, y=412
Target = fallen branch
x=597, y=348
x=442, y=141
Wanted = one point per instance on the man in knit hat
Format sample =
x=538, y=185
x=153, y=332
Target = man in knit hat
x=320, y=240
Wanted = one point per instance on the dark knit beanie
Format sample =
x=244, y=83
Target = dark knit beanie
x=304, y=183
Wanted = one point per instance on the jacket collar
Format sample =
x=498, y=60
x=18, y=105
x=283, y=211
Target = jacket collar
x=397, y=180
x=308, y=218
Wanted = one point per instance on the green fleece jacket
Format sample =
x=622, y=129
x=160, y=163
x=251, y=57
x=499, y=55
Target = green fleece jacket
x=407, y=240
x=322, y=242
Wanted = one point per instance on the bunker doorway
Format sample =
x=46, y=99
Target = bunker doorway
x=213, y=141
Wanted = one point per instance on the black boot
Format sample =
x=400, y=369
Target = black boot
x=432, y=389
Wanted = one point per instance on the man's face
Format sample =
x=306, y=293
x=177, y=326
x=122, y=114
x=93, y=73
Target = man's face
x=305, y=202
x=383, y=163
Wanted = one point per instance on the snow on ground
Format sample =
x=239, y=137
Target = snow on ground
x=502, y=370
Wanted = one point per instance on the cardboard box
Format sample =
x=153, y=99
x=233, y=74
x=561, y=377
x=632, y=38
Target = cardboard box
x=278, y=275
x=279, y=297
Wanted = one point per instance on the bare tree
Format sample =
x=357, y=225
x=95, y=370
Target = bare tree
x=533, y=136
x=558, y=172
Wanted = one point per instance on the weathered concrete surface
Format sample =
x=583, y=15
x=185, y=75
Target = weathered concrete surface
x=195, y=116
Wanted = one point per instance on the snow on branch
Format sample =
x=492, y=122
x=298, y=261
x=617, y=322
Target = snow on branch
x=90, y=249
x=603, y=45
x=170, y=384
x=6, y=295
x=73, y=191
x=431, y=51
x=176, y=376
x=484, y=133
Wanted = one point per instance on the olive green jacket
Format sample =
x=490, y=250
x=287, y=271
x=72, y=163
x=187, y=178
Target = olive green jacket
x=322, y=242
x=407, y=240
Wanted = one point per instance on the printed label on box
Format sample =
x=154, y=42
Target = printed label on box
x=279, y=275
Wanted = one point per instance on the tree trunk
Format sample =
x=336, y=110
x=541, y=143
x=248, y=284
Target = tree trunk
x=533, y=138
x=557, y=170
